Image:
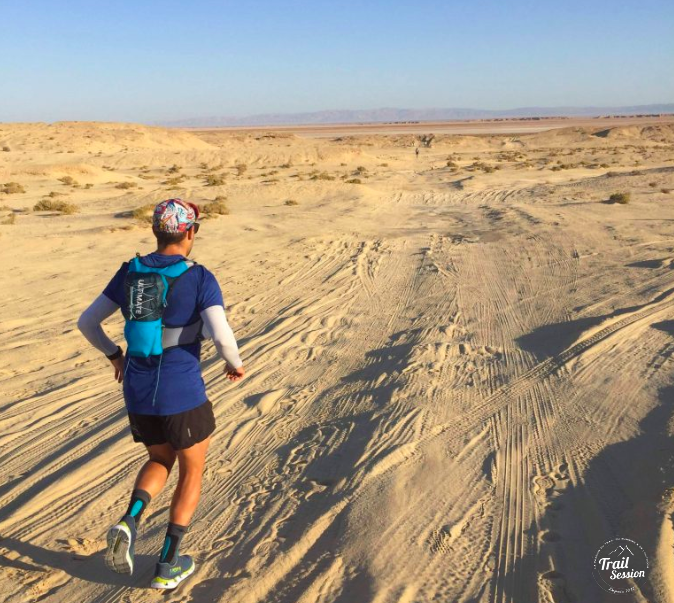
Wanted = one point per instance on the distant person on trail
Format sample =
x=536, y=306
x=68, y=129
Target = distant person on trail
x=416, y=151
x=170, y=304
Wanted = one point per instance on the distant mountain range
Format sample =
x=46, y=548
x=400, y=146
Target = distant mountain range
x=406, y=115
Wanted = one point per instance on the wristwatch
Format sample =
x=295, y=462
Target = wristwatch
x=118, y=354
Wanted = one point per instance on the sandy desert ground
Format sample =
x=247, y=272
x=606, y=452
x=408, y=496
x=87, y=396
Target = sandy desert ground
x=460, y=365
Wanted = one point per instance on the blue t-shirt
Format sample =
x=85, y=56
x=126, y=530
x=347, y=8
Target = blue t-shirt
x=176, y=374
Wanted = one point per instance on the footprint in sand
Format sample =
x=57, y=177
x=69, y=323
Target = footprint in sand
x=553, y=589
x=549, y=536
x=548, y=487
x=80, y=548
x=440, y=539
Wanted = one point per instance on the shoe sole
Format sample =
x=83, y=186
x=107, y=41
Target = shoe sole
x=118, y=557
x=168, y=583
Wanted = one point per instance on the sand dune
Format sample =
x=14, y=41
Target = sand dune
x=460, y=373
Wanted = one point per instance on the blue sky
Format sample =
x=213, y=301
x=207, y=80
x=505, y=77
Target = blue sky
x=151, y=61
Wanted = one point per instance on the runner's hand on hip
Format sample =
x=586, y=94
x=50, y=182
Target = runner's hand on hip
x=234, y=374
x=118, y=363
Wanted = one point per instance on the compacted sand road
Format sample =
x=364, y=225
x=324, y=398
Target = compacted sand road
x=458, y=390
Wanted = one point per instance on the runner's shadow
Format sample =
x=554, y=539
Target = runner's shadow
x=90, y=568
x=623, y=492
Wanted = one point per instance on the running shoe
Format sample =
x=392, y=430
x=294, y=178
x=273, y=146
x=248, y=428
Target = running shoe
x=121, y=542
x=169, y=575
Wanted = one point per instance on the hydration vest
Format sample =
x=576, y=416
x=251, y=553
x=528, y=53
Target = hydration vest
x=146, y=289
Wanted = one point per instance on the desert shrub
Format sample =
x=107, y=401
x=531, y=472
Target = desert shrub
x=285, y=166
x=215, y=180
x=361, y=169
x=174, y=181
x=12, y=188
x=53, y=194
x=6, y=149
x=622, y=198
x=61, y=206
x=652, y=184
x=88, y=185
x=125, y=185
x=240, y=168
x=290, y=202
x=322, y=176
x=452, y=164
x=203, y=165
x=10, y=219
x=217, y=207
x=174, y=169
x=666, y=191
x=383, y=165
x=354, y=181
x=144, y=212
x=343, y=164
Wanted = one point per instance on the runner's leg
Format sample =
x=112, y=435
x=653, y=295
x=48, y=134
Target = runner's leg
x=191, y=463
x=154, y=473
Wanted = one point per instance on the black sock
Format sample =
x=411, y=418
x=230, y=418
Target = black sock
x=174, y=534
x=139, y=500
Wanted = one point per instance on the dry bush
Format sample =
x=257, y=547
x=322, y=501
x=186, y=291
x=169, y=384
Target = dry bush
x=354, y=181
x=217, y=207
x=622, y=198
x=174, y=169
x=666, y=191
x=144, y=212
x=88, y=185
x=69, y=181
x=285, y=166
x=322, y=176
x=125, y=185
x=61, y=206
x=240, y=168
x=12, y=188
x=6, y=149
x=174, y=181
x=290, y=202
x=10, y=219
x=215, y=180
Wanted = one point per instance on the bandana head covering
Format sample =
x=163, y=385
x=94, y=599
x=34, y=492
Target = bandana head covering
x=174, y=216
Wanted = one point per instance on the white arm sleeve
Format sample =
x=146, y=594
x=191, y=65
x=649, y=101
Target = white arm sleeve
x=217, y=327
x=90, y=324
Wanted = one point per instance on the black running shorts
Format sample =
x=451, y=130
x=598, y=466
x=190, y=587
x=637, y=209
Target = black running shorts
x=181, y=430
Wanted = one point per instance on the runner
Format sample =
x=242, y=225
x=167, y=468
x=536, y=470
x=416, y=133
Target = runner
x=170, y=303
